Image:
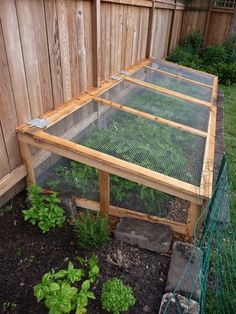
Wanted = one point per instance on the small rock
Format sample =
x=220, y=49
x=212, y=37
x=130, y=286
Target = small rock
x=175, y=304
x=153, y=237
x=146, y=309
x=185, y=270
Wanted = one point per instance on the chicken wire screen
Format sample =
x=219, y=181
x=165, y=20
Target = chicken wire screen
x=175, y=84
x=182, y=71
x=158, y=104
x=72, y=178
x=66, y=176
x=130, y=195
x=164, y=149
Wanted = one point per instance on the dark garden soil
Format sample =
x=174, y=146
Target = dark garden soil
x=26, y=254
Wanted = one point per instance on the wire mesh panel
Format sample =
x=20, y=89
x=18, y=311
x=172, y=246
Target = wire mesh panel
x=130, y=195
x=175, y=84
x=158, y=104
x=140, y=141
x=66, y=176
x=182, y=71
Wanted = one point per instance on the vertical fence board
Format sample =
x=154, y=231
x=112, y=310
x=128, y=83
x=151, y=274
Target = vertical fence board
x=88, y=42
x=15, y=59
x=54, y=51
x=64, y=48
x=162, y=23
x=8, y=116
x=174, y=40
x=73, y=46
x=26, y=25
x=218, y=29
x=4, y=162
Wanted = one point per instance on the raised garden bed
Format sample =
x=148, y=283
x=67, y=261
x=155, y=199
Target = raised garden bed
x=140, y=145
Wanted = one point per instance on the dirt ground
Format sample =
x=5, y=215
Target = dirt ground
x=26, y=254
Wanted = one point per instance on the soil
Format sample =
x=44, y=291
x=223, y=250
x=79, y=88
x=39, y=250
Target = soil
x=26, y=254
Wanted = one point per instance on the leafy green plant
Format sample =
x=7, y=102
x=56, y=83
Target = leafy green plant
x=116, y=296
x=230, y=48
x=219, y=60
x=214, y=55
x=44, y=210
x=8, y=306
x=225, y=72
x=53, y=183
x=193, y=42
x=184, y=56
x=63, y=292
x=91, y=231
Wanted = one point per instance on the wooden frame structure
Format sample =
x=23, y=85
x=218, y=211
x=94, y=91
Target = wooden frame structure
x=32, y=136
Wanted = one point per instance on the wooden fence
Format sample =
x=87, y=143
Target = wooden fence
x=212, y=22
x=51, y=50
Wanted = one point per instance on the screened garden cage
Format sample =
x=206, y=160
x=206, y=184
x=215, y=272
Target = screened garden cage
x=140, y=145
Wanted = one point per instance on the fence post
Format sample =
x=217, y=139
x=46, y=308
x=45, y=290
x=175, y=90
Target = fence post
x=150, y=33
x=171, y=28
x=207, y=23
x=96, y=41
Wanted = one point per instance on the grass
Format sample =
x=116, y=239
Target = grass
x=230, y=135
x=224, y=299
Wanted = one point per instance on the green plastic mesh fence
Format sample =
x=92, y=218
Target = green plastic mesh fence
x=213, y=280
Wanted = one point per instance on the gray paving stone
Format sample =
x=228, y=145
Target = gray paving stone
x=153, y=237
x=176, y=304
x=185, y=270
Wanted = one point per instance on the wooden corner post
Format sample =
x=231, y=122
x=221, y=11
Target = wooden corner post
x=27, y=160
x=104, y=184
x=193, y=215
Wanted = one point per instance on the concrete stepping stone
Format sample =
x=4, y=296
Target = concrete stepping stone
x=153, y=237
x=185, y=270
x=175, y=304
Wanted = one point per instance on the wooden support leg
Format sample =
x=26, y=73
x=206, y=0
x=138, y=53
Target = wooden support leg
x=27, y=160
x=193, y=215
x=104, y=182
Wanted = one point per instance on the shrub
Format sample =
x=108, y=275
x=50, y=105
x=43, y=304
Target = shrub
x=44, y=210
x=225, y=72
x=91, y=231
x=219, y=60
x=214, y=55
x=61, y=292
x=183, y=56
x=193, y=42
x=116, y=297
x=230, y=48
